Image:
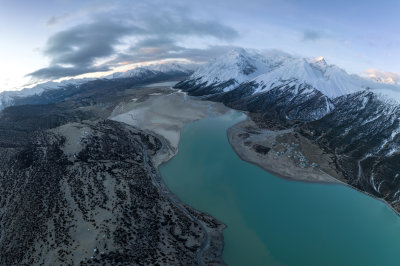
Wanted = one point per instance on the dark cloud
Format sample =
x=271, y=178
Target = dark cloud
x=312, y=35
x=75, y=51
x=148, y=36
x=151, y=49
x=56, y=71
x=83, y=44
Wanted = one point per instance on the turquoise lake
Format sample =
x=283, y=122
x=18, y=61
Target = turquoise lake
x=272, y=221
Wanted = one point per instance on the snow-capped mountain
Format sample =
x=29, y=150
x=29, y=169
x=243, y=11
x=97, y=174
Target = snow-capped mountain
x=273, y=69
x=171, y=68
x=301, y=88
x=138, y=72
x=237, y=66
x=316, y=73
x=8, y=98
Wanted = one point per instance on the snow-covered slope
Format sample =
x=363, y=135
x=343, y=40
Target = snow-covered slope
x=328, y=79
x=173, y=67
x=138, y=72
x=7, y=98
x=235, y=67
x=145, y=71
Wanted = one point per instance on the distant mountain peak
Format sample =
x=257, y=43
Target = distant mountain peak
x=319, y=61
x=238, y=51
x=234, y=67
x=166, y=68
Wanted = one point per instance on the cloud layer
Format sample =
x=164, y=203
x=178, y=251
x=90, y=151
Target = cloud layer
x=130, y=38
x=384, y=77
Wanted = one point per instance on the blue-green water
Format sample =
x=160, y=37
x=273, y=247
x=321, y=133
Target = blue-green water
x=272, y=221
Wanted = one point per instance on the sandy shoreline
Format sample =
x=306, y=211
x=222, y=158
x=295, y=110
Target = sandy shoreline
x=274, y=155
x=165, y=113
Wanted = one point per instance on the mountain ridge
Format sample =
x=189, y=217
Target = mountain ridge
x=270, y=68
x=9, y=98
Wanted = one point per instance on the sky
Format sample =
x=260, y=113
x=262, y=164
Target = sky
x=48, y=40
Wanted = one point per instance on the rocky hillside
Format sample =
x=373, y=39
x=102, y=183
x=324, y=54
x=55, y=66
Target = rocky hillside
x=363, y=133
x=78, y=189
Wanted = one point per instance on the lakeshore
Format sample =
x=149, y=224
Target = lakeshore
x=163, y=114
x=274, y=221
x=168, y=115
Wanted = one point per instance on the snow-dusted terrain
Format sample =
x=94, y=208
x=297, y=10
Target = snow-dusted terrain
x=145, y=71
x=7, y=98
x=272, y=69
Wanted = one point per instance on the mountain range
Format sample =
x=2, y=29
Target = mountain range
x=9, y=98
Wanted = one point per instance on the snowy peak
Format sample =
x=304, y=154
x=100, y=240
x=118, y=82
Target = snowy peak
x=318, y=61
x=174, y=67
x=137, y=72
x=235, y=67
x=165, y=68
x=328, y=79
x=244, y=62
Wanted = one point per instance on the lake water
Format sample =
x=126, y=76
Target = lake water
x=272, y=221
